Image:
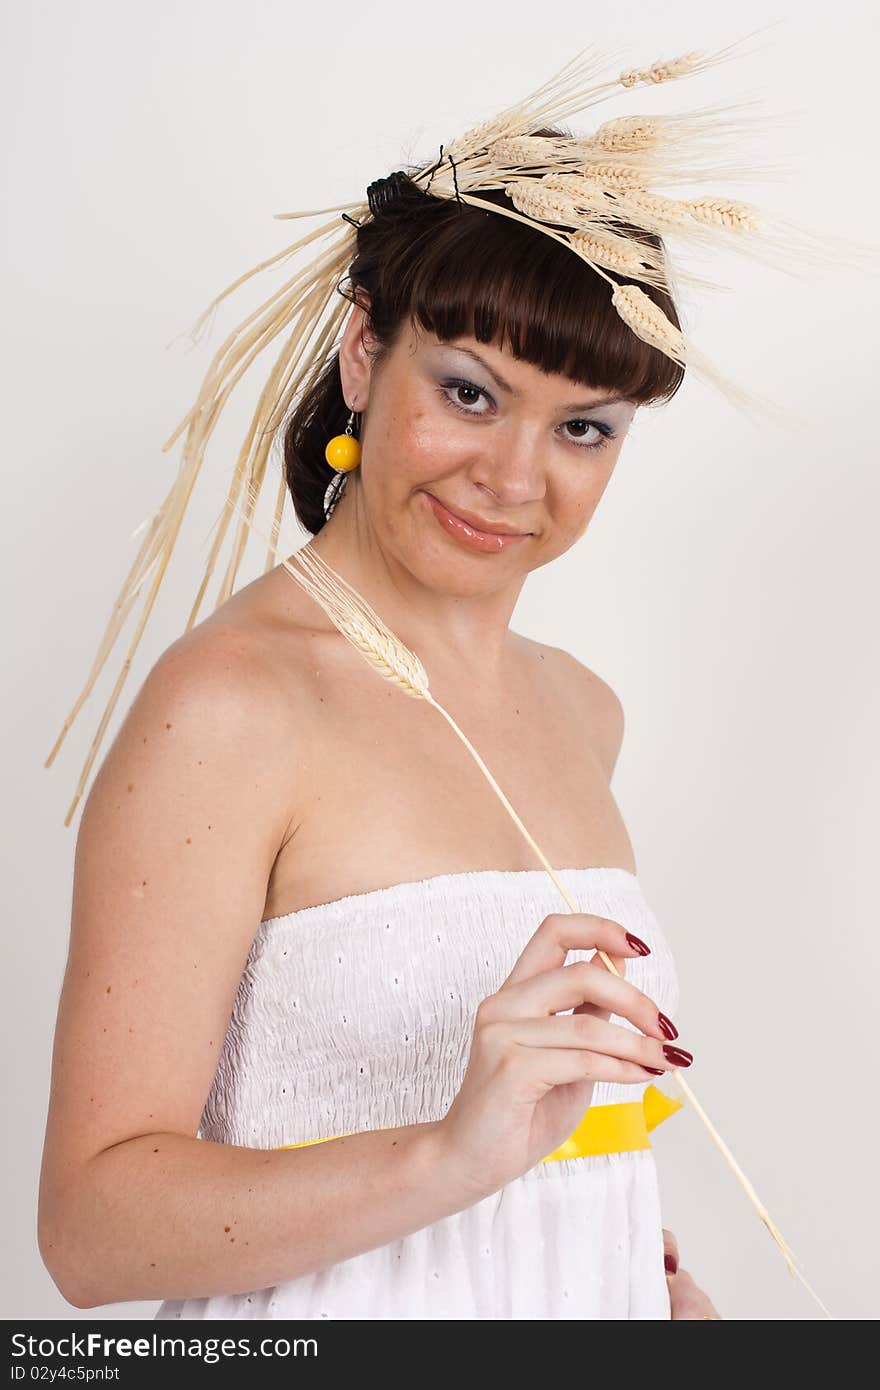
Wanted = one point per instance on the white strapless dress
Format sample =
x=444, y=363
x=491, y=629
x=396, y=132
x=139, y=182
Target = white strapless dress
x=358, y=1014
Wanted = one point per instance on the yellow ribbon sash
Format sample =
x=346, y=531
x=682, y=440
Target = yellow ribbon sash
x=605, y=1129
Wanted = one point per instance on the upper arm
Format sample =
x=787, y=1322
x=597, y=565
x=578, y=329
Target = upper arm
x=175, y=848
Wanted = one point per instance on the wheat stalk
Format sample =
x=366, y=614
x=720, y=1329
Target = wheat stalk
x=629, y=134
x=677, y=214
x=725, y=212
x=680, y=147
x=549, y=204
x=623, y=254
x=354, y=617
x=662, y=72
x=648, y=321
x=603, y=173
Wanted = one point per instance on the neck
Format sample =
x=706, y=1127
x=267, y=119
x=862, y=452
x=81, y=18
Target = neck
x=468, y=631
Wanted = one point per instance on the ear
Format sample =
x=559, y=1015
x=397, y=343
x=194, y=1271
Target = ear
x=354, y=359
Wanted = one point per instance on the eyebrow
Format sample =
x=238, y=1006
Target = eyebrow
x=506, y=386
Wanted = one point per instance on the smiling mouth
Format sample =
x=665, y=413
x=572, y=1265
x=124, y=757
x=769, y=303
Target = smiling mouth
x=471, y=537
x=477, y=525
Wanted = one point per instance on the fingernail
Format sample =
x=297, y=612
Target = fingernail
x=638, y=944
x=655, y=1071
x=671, y=1264
x=667, y=1025
x=677, y=1056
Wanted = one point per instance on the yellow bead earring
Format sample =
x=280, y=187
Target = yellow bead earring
x=343, y=451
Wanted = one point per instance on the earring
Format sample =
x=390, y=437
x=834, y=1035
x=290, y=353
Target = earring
x=343, y=451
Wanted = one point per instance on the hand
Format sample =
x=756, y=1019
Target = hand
x=685, y=1299
x=530, y=1074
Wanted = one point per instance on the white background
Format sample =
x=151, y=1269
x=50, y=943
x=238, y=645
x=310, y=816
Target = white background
x=726, y=587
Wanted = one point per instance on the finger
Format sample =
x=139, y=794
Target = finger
x=670, y=1248
x=589, y=1034
x=566, y=988
x=562, y=932
x=557, y=1066
x=620, y=966
x=619, y=962
x=687, y=1300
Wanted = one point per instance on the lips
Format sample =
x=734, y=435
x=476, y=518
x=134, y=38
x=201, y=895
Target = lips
x=477, y=523
x=471, y=531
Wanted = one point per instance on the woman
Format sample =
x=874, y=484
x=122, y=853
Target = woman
x=408, y=982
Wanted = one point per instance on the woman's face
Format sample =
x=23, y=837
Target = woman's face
x=458, y=433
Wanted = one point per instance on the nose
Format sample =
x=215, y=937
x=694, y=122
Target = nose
x=512, y=471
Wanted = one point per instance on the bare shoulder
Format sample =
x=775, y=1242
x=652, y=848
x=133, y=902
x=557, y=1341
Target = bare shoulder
x=592, y=699
x=195, y=789
x=220, y=682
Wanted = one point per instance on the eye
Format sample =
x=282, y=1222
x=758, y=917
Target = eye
x=606, y=432
x=466, y=386
x=452, y=389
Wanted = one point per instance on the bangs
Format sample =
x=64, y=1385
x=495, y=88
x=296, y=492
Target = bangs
x=493, y=278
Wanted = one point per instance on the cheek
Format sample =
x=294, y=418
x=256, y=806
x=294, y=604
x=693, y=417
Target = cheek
x=577, y=496
x=417, y=446
x=573, y=494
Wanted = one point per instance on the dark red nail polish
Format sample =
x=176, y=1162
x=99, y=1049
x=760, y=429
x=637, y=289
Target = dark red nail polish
x=638, y=944
x=655, y=1071
x=677, y=1056
x=667, y=1025
x=670, y=1263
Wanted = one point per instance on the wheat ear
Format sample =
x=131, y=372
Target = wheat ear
x=353, y=616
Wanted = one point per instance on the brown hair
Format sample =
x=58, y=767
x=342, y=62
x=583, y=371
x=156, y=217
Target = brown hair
x=459, y=270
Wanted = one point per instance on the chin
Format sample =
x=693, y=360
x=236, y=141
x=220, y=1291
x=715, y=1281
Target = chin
x=439, y=569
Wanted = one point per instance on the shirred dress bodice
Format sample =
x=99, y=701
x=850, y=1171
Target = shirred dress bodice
x=358, y=1014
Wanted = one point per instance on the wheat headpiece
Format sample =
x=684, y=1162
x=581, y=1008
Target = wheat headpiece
x=576, y=190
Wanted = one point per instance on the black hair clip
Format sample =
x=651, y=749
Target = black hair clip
x=383, y=191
